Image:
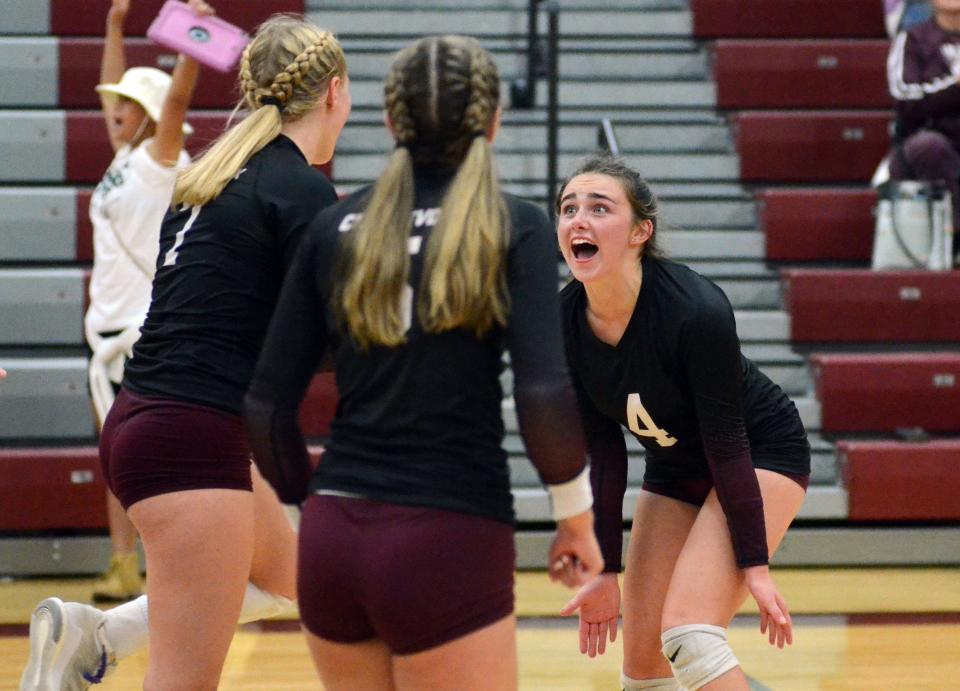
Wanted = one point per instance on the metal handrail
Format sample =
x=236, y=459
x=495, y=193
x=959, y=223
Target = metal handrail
x=542, y=61
x=553, y=99
x=533, y=51
x=607, y=137
x=523, y=92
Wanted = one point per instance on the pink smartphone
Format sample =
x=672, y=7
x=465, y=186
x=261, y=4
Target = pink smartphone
x=208, y=40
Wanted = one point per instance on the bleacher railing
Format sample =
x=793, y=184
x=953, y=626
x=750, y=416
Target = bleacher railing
x=607, y=137
x=542, y=61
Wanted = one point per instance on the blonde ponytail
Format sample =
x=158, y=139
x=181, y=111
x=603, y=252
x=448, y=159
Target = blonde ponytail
x=284, y=71
x=464, y=282
x=205, y=179
x=377, y=261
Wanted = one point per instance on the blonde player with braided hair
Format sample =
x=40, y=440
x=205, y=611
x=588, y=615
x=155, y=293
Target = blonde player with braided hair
x=416, y=287
x=174, y=451
x=291, y=88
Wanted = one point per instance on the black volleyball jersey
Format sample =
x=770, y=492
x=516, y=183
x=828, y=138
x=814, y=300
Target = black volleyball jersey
x=678, y=381
x=219, y=273
x=419, y=424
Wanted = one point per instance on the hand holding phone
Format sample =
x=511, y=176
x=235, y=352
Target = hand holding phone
x=207, y=39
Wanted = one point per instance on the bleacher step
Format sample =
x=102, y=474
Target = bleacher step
x=515, y=5
x=45, y=399
x=516, y=135
x=811, y=545
x=56, y=294
x=574, y=21
x=822, y=503
x=522, y=167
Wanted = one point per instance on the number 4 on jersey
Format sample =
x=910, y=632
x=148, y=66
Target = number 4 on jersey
x=637, y=415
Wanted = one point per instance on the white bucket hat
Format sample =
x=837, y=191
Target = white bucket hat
x=147, y=86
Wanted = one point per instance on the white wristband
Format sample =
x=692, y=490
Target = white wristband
x=572, y=497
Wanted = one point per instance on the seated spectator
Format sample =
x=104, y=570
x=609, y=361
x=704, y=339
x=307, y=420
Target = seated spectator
x=923, y=70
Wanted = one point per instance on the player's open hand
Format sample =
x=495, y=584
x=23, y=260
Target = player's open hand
x=599, y=605
x=774, y=615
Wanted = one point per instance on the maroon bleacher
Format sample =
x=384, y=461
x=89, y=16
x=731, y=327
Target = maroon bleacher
x=319, y=405
x=88, y=146
x=52, y=489
x=883, y=392
x=887, y=480
x=63, y=488
x=864, y=306
x=79, y=73
x=787, y=18
x=84, y=228
x=811, y=146
x=801, y=74
x=823, y=224
x=73, y=18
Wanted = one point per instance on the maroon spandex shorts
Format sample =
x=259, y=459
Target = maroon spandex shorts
x=694, y=490
x=412, y=577
x=151, y=445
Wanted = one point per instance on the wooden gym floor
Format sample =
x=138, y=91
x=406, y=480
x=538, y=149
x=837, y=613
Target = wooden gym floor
x=855, y=629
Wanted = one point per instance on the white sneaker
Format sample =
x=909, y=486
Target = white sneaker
x=68, y=648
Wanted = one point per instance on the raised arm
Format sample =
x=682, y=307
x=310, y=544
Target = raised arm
x=113, y=63
x=168, y=140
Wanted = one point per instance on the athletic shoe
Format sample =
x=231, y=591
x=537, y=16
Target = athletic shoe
x=68, y=648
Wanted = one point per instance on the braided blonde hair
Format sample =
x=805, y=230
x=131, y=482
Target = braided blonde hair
x=442, y=95
x=284, y=70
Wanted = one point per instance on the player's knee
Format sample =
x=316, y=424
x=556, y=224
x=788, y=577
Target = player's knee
x=697, y=653
x=668, y=684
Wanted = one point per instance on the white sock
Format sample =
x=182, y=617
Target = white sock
x=126, y=627
x=259, y=604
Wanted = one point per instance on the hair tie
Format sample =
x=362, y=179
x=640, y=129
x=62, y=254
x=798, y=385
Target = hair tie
x=272, y=101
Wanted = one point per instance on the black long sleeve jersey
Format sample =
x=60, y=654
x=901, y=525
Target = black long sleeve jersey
x=678, y=381
x=218, y=277
x=419, y=424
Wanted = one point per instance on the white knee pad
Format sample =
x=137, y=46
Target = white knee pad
x=698, y=653
x=668, y=684
x=259, y=604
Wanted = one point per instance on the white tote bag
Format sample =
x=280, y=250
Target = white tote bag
x=914, y=227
